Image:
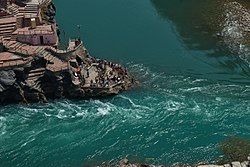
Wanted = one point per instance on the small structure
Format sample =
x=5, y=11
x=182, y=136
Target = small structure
x=28, y=14
x=37, y=35
x=7, y=26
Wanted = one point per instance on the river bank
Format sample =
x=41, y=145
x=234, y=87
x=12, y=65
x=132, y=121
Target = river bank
x=126, y=163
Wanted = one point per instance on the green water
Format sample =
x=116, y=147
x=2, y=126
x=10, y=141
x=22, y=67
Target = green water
x=194, y=92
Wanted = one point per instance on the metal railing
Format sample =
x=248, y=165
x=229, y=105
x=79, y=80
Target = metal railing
x=59, y=51
x=57, y=69
x=34, y=32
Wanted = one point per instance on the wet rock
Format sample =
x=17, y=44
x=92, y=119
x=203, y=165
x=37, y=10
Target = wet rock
x=227, y=165
x=7, y=77
x=50, y=13
x=37, y=84
x=244, y=164
x=124, y=162
x=210, y=166
x=236, y=164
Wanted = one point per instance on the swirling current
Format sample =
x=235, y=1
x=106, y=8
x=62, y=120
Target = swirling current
x=181, y=123
x=194, y=89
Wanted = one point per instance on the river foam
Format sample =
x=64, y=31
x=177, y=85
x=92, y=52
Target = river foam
x=170, y=118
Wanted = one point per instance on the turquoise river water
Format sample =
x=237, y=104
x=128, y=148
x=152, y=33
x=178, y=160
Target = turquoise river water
x=194, y=91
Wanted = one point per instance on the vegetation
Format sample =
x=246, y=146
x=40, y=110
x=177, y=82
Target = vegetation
x=235, y=149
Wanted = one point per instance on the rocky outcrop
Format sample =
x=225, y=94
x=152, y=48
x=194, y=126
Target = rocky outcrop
x=125, y=163
x=31, y=73
x=49, y=13
x=232, y=164
x=37, y=83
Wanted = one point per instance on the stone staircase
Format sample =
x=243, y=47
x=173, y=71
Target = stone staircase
x=13, y=37
x=7, y=26
x=14, y=46
x=29, y=9
x=32, y=8
x=17, y=47
x=55, y=64
x=33, y=78
x=13, y=9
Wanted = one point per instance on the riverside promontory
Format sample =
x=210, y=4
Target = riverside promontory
x=34, y=69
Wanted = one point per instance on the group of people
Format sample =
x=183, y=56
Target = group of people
x=108, y=73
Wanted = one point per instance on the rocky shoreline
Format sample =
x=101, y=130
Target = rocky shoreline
x=34, y=83
x=125, y=163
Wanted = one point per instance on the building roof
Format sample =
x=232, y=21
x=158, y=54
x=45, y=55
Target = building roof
x=7, y=20
x=40, y=30
x=6, y=56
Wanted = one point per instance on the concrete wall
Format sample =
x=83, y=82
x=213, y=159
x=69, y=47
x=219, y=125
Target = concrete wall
x=49, y=39
x=67, y=55
x=27, y=23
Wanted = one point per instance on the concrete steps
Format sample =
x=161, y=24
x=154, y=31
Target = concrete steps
x=56, y=63
x=37, y=71
x=39, y=49
x=7, y=26
x=49, y=57
x=13, y=9
x=13, y=37
x=16, y=47
x=29, y=9
x=35, y=85
x=33, y=78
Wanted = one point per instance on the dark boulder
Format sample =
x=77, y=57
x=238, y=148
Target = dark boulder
x=7, y=77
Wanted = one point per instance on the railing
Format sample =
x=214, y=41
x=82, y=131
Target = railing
x=59, y=51
x=57, y=69
x=34, y=32
x=29, y=15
